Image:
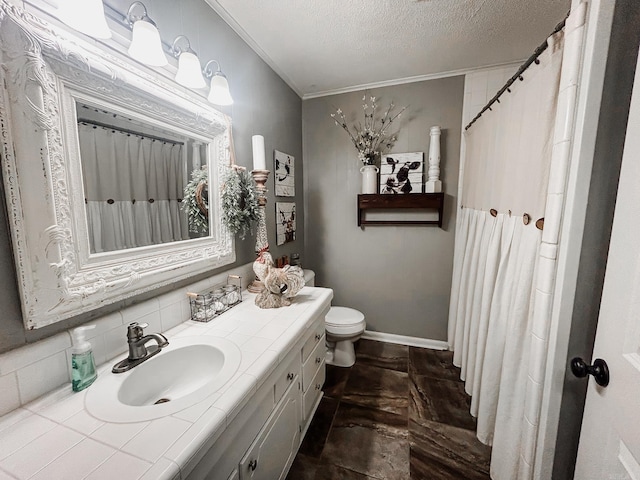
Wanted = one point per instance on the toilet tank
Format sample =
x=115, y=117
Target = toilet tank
x=309, y=278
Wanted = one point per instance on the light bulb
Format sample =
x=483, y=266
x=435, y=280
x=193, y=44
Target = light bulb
x=85, y=16
x=146, y=46
x=219, y=93
x=189, y=71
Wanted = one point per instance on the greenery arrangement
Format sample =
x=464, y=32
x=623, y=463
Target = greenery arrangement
x=239, y=201
x=197, y=216
x=373, y=136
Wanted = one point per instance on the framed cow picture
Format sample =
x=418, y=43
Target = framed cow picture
x=402, y=173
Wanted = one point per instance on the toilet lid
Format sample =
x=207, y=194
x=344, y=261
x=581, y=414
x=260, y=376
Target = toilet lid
x=343, y=316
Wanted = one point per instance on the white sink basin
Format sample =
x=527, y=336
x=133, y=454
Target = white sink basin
x=184, y=373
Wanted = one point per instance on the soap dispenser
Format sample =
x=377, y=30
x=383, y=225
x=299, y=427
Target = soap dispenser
x=83, y=366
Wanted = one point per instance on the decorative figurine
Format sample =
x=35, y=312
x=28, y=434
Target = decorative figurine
x=280, y=284
x=260, y=266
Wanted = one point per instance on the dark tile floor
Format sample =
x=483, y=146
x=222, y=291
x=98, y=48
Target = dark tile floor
x=399, y=413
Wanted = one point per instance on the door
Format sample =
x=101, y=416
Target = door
x=609, y=446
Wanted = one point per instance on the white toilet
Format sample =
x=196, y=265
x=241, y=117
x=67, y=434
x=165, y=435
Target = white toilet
x=343, y=327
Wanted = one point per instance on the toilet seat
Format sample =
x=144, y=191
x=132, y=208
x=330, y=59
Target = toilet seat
x=344, y=321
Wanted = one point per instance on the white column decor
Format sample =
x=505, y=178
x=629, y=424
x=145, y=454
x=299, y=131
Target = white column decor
x=433, y=183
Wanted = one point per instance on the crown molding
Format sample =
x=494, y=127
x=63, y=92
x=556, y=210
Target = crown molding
x=402, y=81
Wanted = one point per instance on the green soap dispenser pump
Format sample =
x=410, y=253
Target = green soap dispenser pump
x=83, y=366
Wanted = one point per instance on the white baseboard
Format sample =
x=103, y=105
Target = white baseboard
x=404, y=340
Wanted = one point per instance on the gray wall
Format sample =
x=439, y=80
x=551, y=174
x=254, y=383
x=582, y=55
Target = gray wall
x=399, y=277
x=264, y=105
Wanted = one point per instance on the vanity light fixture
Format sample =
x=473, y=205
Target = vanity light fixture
x=189, y=70
x=85, y=16
x=219, y=93
x=146, y=45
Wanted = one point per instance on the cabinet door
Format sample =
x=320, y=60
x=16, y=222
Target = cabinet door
x=271, y=454
x=288, y=375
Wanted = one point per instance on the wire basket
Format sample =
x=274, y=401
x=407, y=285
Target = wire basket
x=208, y=305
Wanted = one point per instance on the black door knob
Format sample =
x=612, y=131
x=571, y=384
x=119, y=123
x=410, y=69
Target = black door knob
x=599, y=370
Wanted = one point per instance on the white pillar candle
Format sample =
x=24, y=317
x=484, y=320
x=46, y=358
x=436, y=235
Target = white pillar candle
x=259, y=161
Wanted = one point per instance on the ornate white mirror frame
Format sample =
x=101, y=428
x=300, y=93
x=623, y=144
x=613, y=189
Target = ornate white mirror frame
x=43, y=70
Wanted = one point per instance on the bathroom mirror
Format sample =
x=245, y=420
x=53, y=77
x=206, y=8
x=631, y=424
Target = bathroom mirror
x=134, y=174
x=50, y=81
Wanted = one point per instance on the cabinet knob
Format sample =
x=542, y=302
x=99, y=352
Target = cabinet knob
x=318, y=360
x=318, y=386
x=253, y=464
x=290, y=376
x=318, y=336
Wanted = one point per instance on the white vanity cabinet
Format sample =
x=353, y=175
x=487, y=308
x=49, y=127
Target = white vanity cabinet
x=262, y=440
x=249, y=429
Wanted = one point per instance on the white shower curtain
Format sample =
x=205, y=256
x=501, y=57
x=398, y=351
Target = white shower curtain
x=508, y=153
x=133, y=185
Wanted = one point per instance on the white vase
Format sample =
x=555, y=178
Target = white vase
x=369, y=178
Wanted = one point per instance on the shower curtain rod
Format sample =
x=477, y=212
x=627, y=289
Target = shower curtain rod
x=125, y=130
x=518, y=75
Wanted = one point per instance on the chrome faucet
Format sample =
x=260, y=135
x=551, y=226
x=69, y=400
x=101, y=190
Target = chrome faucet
x=137, y=341
x=138, y=352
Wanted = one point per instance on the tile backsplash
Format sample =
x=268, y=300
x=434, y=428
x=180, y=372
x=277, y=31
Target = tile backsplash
x=28, y=372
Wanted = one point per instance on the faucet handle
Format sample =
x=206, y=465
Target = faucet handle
x=135, y=330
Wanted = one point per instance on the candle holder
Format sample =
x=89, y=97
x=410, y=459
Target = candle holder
x=262, y=242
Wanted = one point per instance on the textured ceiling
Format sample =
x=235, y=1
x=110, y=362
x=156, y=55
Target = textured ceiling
x=325, y=46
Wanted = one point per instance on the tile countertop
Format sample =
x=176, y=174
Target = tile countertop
x=54, y=437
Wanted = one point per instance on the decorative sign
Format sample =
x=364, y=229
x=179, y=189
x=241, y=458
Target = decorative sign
x=401, y=173
x=285, y=222
x=284, y=175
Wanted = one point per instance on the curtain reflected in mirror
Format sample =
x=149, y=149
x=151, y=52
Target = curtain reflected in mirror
x=134, y=176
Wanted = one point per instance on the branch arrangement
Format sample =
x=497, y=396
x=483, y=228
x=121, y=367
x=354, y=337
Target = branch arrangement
x=372, y=136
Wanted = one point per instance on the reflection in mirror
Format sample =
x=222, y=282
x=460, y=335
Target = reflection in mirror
x=134, y=175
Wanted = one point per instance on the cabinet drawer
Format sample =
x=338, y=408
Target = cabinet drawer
x=312, y=364
x=287, y=375
x=314, y=391
x=316, y=337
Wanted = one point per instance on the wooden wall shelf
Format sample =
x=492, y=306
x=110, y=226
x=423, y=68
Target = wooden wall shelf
x=417, y=201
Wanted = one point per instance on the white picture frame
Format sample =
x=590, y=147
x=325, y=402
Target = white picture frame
x=285, y=222
x=284, y=174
